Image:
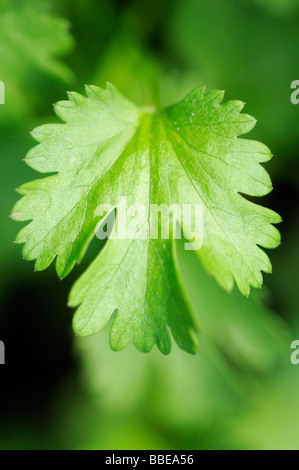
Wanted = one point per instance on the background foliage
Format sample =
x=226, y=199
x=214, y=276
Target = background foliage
x=240, y=391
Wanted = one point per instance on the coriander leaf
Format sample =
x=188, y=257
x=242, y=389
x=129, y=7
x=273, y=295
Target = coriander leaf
x=194, y=30
x=242, y=340
x=28, y=52
x=188, y=153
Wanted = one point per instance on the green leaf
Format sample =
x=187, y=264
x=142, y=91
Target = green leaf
x=242, y=343
x=28, y=52
x=196, y=31
x=188, y=153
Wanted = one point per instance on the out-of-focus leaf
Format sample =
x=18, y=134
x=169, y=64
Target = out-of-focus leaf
x=279, y=7
x=31, y=40
x=237, y=353
x=241, y=47
x=133, y=73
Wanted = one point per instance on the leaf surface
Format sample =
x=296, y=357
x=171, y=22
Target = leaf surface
x=32, y=39
x=108, y=149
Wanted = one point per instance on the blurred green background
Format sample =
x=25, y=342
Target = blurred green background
x=240, y=391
